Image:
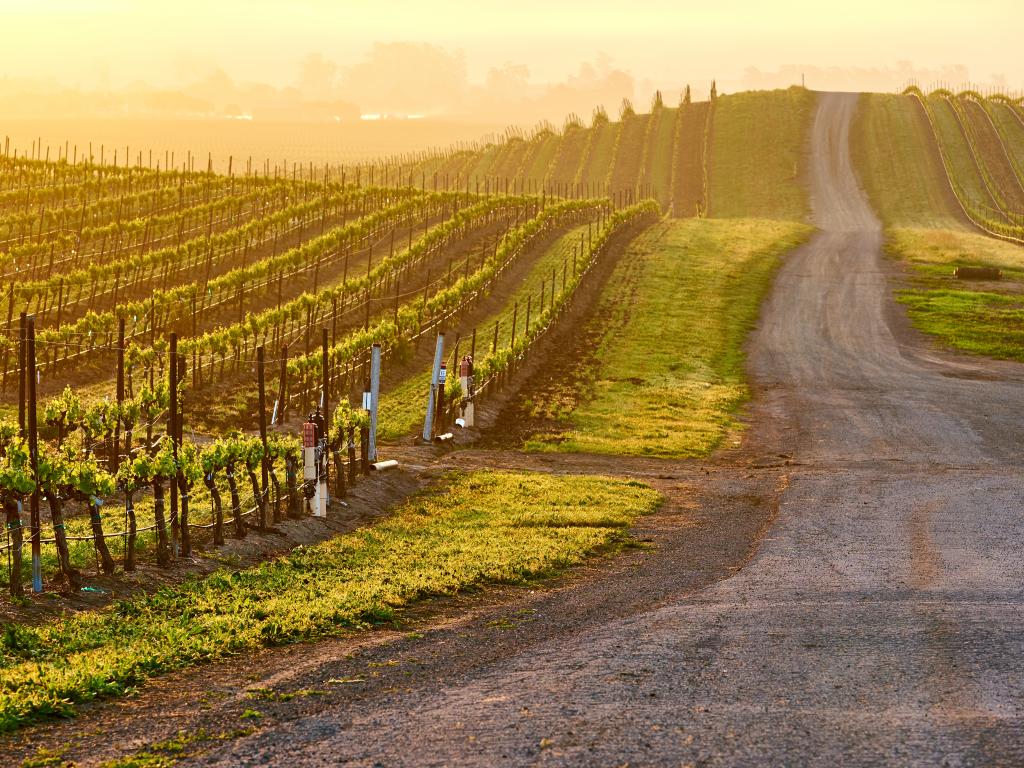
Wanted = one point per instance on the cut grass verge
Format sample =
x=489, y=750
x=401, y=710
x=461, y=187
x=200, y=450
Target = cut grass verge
x=477, y=528
x=668, y=374
x=984, y=318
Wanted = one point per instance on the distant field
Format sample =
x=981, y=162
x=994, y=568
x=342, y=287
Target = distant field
x=898, y=164
x=688, y=173
x=660, y=154
x=757, y=149
x=319, y=143
x=570, y=153
x=629, y=154
x=958, y=150
x=601, y=155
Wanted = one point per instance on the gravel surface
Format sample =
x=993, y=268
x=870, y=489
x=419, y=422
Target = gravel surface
x=879, y=622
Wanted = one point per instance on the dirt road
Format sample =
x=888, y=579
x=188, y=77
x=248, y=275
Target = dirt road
x=879, y=621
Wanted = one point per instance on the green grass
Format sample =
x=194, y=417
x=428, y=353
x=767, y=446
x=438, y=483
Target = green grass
x=477, y=528
x=978, y=318
x=756, y=159
x=669, y=370
x=899, y=167
x=403, y=409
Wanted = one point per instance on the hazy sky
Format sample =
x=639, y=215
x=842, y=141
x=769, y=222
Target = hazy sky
x=113, y=42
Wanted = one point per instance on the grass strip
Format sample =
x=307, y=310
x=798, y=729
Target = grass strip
x=476, y=528
x=983, y=318
x=668, y=372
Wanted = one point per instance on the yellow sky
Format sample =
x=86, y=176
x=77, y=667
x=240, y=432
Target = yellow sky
x=93, y=42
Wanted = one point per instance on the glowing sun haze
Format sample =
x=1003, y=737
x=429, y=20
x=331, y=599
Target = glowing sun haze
x=78, y=40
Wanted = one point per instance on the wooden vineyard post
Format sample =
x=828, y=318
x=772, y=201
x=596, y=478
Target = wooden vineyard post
x=281, y=408
x=23, y=336
x=264, y=474
x=119, y=393
x=351, y=454
x=334, y=319
x=515, y=322
x=326, y=375
x=33, y=455
x=60, y=302
x=179, y=480
x=10, y=315
x=398, y=294
x=172, y=431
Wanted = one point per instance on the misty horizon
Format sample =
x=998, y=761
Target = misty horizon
x=379, y=88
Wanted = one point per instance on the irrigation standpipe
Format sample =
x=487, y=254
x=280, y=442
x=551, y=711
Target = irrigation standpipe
x=374, y=402
x=435, y=373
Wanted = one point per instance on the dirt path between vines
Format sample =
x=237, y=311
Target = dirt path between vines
x=844, y=589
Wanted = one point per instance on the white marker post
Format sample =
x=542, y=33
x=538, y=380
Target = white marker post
x=428, y=422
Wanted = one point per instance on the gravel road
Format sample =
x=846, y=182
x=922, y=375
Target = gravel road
x=880, y=620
